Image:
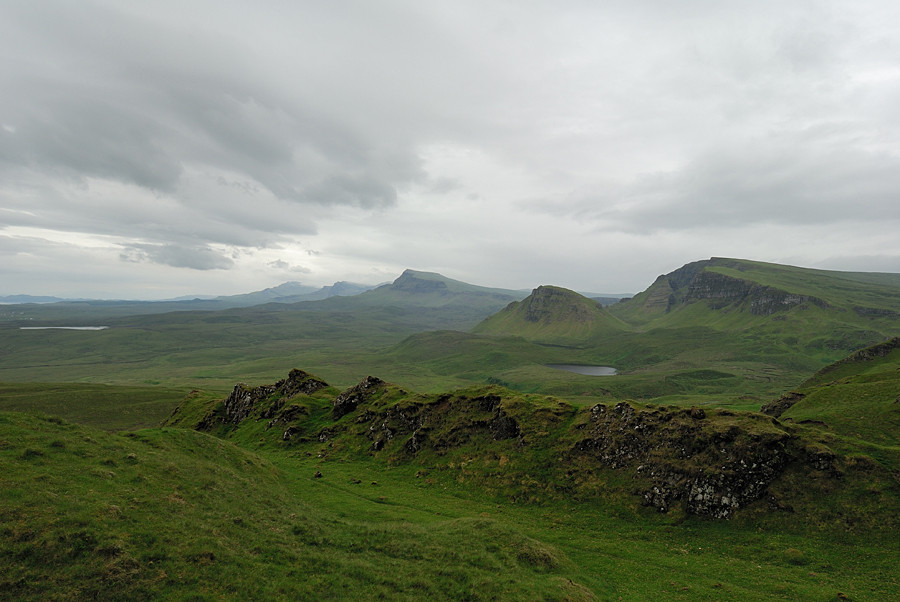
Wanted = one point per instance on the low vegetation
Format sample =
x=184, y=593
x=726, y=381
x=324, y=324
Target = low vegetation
x=464, y=467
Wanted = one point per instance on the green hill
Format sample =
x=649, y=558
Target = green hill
x=173, y=514
x=856, y=398
x=757, y=290
x=552, y=315
x=734, y=329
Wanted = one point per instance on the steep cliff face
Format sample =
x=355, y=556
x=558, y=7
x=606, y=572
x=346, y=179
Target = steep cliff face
x=761, y=300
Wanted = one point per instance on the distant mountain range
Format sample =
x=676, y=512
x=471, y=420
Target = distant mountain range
x=16, y=299
x=287, y=292
x=412, y=286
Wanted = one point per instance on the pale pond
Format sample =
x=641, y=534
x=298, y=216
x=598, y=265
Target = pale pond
x=586, y=370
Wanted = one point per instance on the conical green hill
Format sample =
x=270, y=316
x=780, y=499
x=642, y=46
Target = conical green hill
x=552, y=314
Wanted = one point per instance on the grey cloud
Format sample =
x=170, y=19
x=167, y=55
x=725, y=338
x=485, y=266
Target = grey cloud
x=794, y=185
x=186, y=127
x=813, y=177
x=139, y=111
x=444, y=185
x=91, y=137
x=856, y=263
x=280, y=264
x=363, y=190
x=195, y=258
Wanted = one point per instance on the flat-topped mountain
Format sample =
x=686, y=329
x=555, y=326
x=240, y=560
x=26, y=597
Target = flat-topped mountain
x=414, y=289
x=412, y=282
x=764, y=289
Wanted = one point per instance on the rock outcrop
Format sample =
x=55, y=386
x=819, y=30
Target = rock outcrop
x=677, y=456
x=262, y=401
x=722, y=289
x=347, y=401
x=444, y=423
x=708, y=462
x=779, y=406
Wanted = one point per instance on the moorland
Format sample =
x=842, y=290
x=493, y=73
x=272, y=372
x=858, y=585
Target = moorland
x=412, y=440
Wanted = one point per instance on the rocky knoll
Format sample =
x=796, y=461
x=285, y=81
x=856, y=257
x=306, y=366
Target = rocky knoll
x=244, y=401
x=553, y=303
x=347, y=401
x=713, y=467
x=868, y=354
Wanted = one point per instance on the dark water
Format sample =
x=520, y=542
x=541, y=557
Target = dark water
x=587, y=370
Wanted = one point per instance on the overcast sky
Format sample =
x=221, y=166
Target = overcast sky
x=155, y=149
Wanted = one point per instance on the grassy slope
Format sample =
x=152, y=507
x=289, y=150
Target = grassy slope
x=168, y=513
x=857, y=402
x=633, y=545
x=176, y=514
x=107, y=407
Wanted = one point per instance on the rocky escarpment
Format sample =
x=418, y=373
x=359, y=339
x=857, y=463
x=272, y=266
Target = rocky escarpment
x=659, y=296
x=449, y=421
x=347, y=401
x=779, y=406
x=709, y=463
x=722, y=289
x=698, y=281
x=706, y=465
x=263, y=401
x=863, y=355
x=678, y=456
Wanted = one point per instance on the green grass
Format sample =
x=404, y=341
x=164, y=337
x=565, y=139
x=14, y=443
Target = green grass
x=107, y=407
x=177, y=514
x=173, y=514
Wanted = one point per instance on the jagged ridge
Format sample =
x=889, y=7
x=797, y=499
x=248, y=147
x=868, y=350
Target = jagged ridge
x=709, y=463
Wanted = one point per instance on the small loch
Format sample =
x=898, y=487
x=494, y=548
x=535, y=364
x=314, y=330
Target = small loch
x=63, y=327
x=586, y=370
